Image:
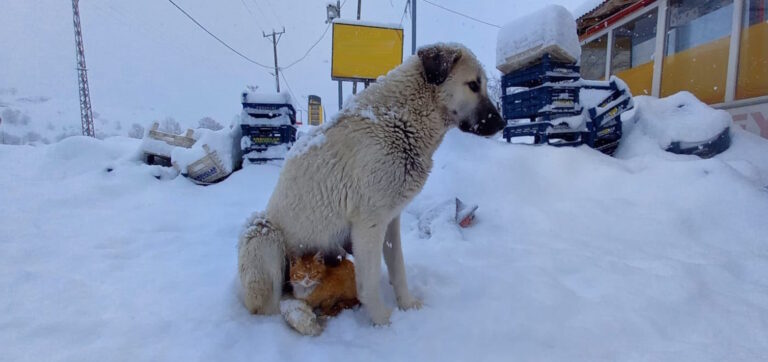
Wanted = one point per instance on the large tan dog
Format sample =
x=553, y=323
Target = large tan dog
x=350, y=181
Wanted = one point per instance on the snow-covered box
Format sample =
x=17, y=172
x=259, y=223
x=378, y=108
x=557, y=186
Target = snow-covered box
x=157, y=146
x=551, y=30
x=267, y=123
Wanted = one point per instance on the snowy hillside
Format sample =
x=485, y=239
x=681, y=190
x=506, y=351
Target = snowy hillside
x=148, y=62
x=574, y=256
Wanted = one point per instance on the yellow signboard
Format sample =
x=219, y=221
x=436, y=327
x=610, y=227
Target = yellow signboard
x=362, y=51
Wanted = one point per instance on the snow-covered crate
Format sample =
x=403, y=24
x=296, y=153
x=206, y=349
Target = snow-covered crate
x=185, y=141
x=523, y=41
x=207, y=170
x=525, y=129
x=544, y=71
x=157, y=146
x=260, y=138
x=547, y=102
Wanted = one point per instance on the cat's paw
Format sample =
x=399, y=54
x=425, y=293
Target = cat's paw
x=408, y=302
x=379, y=316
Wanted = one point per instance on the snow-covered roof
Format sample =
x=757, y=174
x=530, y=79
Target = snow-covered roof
x=587, y=7
x=593, y=12
x=374, y=24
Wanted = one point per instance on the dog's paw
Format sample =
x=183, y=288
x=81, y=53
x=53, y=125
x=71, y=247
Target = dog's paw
x=408, y=302
x=300, y=317
x=380, y=316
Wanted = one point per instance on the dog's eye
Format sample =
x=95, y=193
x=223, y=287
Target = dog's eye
x=474, y=86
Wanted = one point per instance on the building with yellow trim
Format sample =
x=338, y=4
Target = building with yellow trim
x=715, y=49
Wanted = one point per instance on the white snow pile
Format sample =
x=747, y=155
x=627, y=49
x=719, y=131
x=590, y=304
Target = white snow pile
x=680, y=117
x=573, y=255
x=523, y=41
x=268, y=98
x=374, y=24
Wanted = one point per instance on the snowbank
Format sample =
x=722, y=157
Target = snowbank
x=573, y=256
x=679, y=117
x=550, y=30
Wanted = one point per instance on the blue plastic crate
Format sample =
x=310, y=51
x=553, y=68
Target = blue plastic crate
x=262, y=137
x=545, y=71
x=545, y=101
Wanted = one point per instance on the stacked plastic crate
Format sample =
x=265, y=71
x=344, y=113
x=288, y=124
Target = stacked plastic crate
x=543, y=95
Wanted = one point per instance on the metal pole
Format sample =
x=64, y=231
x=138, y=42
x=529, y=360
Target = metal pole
x=733, y=51
x=413, y=27
x=340, y=95
x=354, y=84
x=86, y=114
x=658, y=57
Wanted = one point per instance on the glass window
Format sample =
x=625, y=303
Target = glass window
x=696, y=51
x=752, y=79
x=593, y=55
x=634, y=45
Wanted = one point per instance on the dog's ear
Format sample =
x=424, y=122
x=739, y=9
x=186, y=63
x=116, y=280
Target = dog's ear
x=438, y=61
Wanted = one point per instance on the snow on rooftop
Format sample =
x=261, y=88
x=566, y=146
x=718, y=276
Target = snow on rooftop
x=586, y=7
x=368, y=23
x=524, y=40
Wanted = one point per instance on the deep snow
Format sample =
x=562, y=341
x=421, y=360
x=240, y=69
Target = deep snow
x=573, y=256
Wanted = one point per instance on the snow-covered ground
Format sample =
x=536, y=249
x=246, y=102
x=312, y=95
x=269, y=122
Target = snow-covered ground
x=574, y=256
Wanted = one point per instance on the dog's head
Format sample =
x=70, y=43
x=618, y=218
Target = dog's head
x=462, y=88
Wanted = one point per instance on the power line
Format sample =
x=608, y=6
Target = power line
x=461, y=14
x=252, y=14
x=405, y=11
x=310, y=48
x=282, y=74
x=217, y=38
x=313, y=45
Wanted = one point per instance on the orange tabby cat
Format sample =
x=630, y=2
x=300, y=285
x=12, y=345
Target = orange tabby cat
x=330, y=289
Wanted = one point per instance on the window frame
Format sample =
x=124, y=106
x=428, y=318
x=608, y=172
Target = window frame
x=662, y=27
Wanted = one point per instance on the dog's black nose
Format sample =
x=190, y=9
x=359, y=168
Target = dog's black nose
x=489, y=122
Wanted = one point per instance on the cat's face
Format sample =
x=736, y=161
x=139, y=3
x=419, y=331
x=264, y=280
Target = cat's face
x=306, y=270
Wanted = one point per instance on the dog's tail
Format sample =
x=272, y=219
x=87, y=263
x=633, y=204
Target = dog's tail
x=261, y=259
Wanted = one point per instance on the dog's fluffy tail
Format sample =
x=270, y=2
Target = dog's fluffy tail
x=261, y=259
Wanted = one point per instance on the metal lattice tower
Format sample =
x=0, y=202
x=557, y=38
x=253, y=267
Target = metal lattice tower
x=86, y=114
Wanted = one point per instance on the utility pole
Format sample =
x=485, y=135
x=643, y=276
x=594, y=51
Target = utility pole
x=413, y=27
x=86, y=114
x=354, y=84
x=275, y=38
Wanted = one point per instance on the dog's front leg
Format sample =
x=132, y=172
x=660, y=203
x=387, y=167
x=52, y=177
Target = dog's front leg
x=367, y=240
x=393, y=256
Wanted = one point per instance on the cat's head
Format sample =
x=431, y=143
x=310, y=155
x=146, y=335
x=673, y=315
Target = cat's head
x=306, y=270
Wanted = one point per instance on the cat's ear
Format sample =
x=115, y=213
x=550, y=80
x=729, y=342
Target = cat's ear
x=292, y=262
x=318, y=257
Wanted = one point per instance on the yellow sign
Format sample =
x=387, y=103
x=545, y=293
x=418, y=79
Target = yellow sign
x=364, y=51
x=315, y=108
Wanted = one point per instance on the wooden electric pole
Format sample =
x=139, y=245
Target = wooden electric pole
x=275, y=38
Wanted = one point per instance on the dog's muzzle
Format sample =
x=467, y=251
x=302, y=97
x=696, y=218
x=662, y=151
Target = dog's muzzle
x=488, y=122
